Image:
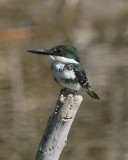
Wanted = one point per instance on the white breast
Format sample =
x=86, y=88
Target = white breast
x=69, y=74
x=61, y=74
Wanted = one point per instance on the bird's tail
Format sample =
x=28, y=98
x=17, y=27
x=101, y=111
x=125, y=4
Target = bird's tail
x=91, y=92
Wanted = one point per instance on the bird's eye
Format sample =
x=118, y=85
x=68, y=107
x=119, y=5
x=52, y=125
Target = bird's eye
x=59, y=51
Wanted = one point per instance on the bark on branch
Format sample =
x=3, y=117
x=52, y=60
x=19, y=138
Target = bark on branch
x=58, y=126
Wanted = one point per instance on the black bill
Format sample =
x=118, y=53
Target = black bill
x=41, y=51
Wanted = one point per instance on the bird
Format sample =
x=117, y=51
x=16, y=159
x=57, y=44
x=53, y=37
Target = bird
x=66, y=68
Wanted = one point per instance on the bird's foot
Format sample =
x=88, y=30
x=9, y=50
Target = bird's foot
x=67, y=91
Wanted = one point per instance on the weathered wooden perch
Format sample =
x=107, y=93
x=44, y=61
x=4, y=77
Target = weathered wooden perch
x=58, y=126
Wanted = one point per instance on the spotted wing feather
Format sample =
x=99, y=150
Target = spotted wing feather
x=82, y=79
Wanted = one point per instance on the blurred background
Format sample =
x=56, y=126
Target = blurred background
x=28, y=93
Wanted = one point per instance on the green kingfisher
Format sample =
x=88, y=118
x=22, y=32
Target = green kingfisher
x=66, y=68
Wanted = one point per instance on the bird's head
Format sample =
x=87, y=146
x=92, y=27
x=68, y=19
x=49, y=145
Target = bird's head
x=62, y=53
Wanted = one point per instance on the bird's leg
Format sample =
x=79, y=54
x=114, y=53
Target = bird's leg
x=68, y=91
